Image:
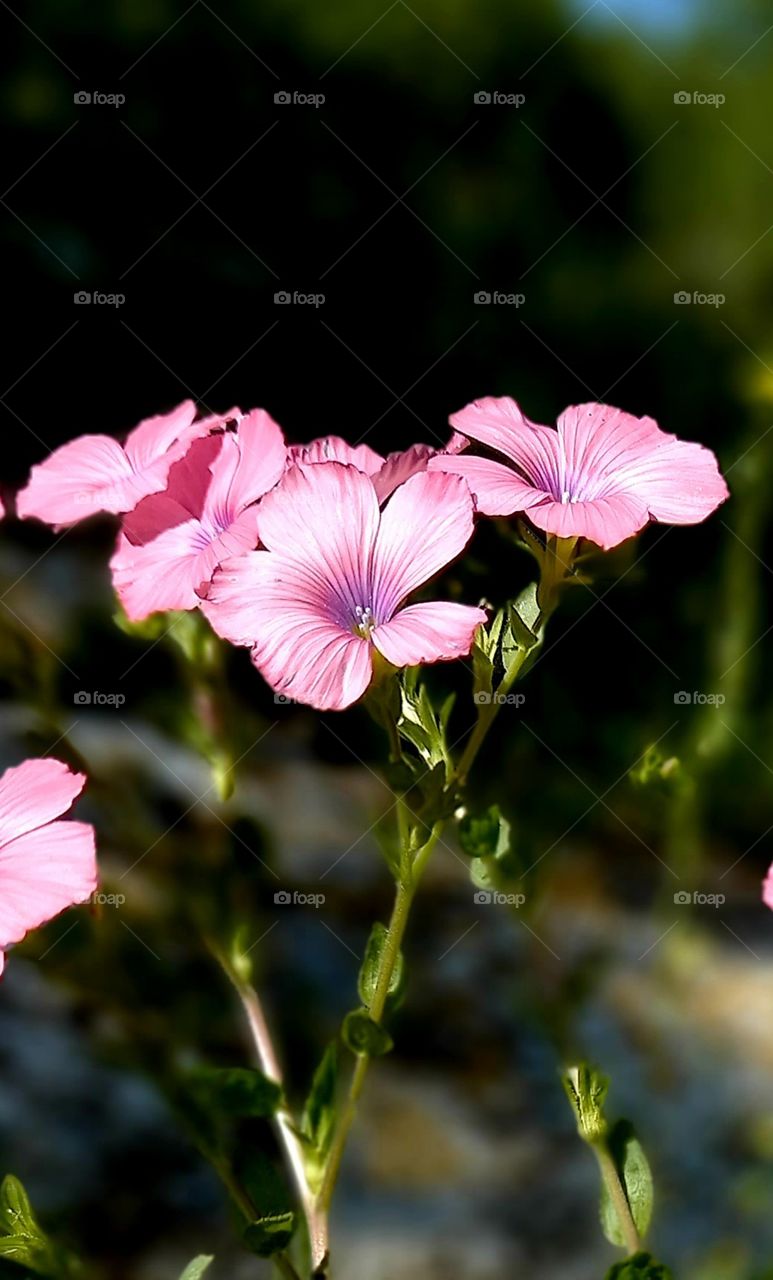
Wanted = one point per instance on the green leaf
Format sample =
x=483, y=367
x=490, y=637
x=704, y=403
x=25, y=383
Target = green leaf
x=636, y=1177
x=22, y=1239
x=586, y=1089
x=484, y=652
x=523, y=617
x=420, y=725
x=367, y=981
x=319, y=1113
x=642, y=1266
x=273, y=1224
x=363, y=1036
x=485, y=835
x=235, y=1091
x=196, y=1268
x=16, y=1216
x=269, y=1235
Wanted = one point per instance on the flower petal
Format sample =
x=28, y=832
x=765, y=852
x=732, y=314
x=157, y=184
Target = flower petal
x=428, y=633
x=164, y=573
x=335, y=449
x=278, y=607
x=34, y=793
x=497, y=422
x=605, y=521
x=325, y=517
x=680, y=482
x=42, y=873
x=251, y=461
x=498, y=490
x=85, y=475
x=152, y=438
x=427, y=522
x=187, y=485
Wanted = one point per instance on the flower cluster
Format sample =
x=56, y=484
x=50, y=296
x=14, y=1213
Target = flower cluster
x=308, y=554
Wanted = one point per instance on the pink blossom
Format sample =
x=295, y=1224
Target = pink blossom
x=767, y=888
x=602, y=475
x=331, y=585
x=171, y=544
x=96, y=473
x=45, y=866
x=386, y=473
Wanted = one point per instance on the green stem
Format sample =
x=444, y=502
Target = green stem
x=406, y=891
x=617, y=1195
x=487, y=714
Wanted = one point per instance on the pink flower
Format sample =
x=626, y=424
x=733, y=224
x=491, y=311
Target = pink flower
x=45, y=866
x=386, y=473
x=331, y=585
x=172, y=542
x=602, y=475
x=95, y=473
x=767, y=888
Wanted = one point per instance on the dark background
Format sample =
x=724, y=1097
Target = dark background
x=398, y=199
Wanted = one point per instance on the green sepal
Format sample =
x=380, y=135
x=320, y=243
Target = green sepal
x=586, y=1089
x=485, y=835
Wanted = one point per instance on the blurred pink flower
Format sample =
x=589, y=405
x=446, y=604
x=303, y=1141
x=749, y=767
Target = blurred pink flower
x=171, y=544
x=767, y=888
x=602, y=475
x=332, y=582
x=45, y=866
x=96, y=473
x=386, y=473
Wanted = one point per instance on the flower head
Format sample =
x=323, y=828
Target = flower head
x=767, y=888
x=96, y=473
x=330, y=586
x=602, y=475
x=45, y=865
x=386, y=473
x=172, y=542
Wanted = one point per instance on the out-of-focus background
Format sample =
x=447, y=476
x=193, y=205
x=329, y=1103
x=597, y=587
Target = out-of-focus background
x=559, y=202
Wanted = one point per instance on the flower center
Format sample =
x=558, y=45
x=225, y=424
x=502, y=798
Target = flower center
x=365, y=622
